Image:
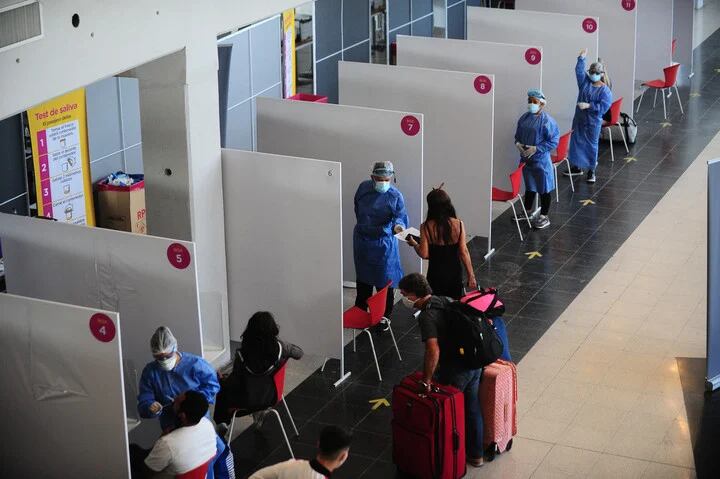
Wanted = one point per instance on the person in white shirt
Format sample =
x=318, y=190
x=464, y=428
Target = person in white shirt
x=183, y=449
x=333, y=450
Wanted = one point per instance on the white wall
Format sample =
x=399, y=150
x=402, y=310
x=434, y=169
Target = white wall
x=654, y=38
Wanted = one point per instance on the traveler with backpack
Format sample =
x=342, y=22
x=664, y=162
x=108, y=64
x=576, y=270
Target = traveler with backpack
x=459, y=341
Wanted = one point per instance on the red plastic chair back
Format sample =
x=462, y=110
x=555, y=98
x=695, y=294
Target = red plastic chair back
x=516, y=179
x=615, y=112
x=671, y=74
x=376, y=304
x=279, y=380
x=563, y=146
x=199, y=472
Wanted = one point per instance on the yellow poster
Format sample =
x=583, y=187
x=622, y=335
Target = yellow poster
x=289, y=86
x=58, y=129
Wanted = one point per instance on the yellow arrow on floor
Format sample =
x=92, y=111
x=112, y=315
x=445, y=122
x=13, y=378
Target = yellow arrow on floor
x=628, y=159
x=533, y=254
x=694, y=94
x=587, y=202
x=379, y=402
x=717, y=70
x=665, y=124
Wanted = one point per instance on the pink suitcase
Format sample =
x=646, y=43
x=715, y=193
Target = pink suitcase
x=498, y=400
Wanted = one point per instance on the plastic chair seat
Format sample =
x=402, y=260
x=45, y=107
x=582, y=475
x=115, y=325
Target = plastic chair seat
x=501, y=195
x=199, y=472
x=654, y=84
x=356, y=318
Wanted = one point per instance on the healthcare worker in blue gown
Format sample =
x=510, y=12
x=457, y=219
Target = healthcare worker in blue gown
x=380, y=213
x=169, y=375
x=594, y=99
x=536, y=136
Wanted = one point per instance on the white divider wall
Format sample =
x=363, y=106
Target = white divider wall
x=683, y=27
x=514, y=76
x=356, y=138
x=458, y=128
x=617, y=37
x=61, y=387
x=561, y=37
x=283, y=230
x=98, y=268
x=654, y=38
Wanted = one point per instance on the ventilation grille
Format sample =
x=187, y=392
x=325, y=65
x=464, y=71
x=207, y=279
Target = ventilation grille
x=18, y=24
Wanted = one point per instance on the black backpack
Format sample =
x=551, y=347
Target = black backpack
x=470, y=338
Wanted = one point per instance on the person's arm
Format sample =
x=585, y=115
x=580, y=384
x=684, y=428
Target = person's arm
x=432, y=356
x=160, y=457
x=291, y=350
x=518, y=144
x=207, y=377
x=550, y=137
x=580, y=69
x=146, y=395
x=465, y=258
x=423, y=247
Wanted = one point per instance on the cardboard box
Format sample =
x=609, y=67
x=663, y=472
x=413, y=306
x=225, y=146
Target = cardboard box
x=122, y=208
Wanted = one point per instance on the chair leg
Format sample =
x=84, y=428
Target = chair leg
x=372, y=346
x=282, y=428
x=392, y=335
x=622, y=133
x=287, y=410
x=557, y=189
x=522, y=203
x=641, y=99
x=612, y=150
x=677, y=93
x=572, y=183
x=354, y=350
x=664, y=107
x=517, y=221
x=655, y=98
x=228, y=437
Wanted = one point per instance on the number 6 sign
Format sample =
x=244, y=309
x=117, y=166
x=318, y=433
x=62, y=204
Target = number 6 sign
x=533, y=56
x=178, y=255
x=102, y=327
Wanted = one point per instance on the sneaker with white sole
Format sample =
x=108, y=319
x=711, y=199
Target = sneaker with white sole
x=590, y=176
x=574, y=171
x=541, y=222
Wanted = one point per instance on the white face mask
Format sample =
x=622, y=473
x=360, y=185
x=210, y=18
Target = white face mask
x=169, y=363
x=409, y=303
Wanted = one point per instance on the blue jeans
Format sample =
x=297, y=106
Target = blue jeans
x=468, y=381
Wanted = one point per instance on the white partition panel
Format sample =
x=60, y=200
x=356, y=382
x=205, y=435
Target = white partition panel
x=683, y=27
x=561, y=37
x=61, y=386
x=283, y=230
x=654, y=38
x=458, y=128
x=617, y=37
x=356, y=138
x=517, y=68
x=150, y=281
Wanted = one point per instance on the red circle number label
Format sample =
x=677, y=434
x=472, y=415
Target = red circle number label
x=178, y=255
x=533, y=56
x=628, y=5
x=482, y=84
x=589, y=25
x=410, y=125
x=102, y=327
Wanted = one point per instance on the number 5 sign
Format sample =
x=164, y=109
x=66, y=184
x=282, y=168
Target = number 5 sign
x=178, y=255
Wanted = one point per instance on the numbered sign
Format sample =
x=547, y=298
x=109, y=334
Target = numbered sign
x=482, y=84
x=533, y=56
x=102, y=327
x=178, y=255
x=589, y=25
x=410, y=125
x=628, y=5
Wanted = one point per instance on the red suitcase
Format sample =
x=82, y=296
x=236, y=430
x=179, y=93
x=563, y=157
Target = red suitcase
x=498, y=400
x=428, y=430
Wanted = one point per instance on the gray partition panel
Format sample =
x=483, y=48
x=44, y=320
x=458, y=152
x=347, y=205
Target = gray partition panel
x=133, y=159
x=12, y=160
x=130, y=106
x=265, y=51
x=359, y=53
x=456, y=21
x=239, y=127
x=356, y=22
x=392, y=36
x=422, y=28
x=355, y=137
x=224, y=58
x=287, y=260
x=398, y=13
x=103, y=118
x=458, y=139
x=99, y=268
x=239, y=79
x=61, y=385
x=683, y=26
x=328, y=27
x=713, y=275
x=420, y=8
x=17, y=206
x=654, y=38
x=326, y=79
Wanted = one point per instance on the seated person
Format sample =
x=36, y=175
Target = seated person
x=333, y=450
x=186, y=448
x=250, y=386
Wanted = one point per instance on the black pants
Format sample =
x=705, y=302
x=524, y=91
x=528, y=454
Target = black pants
x=545, y=202
x=364, y=291
x=138, y=468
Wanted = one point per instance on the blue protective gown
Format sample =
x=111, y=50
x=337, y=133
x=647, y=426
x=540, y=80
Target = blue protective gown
x=157, y=385
x=376, y=251
x=541, y=131
x=587, y=123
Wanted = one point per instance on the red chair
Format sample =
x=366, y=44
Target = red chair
x=559, y=158
x=358, y=319
x=615, y=121
x=199, y=472
x=279, y=380
x=510, y=197
x=669, y=82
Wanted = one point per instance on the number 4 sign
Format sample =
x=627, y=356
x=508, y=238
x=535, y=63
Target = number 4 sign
x=102, y=327
x=178, y=255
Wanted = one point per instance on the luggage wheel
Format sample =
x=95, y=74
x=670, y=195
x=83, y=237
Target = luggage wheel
x=509, y=445
x=490, y=452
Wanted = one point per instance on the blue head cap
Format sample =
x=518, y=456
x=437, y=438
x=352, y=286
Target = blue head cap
x=383, y=169
x=537, y=93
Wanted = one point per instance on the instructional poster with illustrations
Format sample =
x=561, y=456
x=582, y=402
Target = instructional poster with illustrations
x=58, y=129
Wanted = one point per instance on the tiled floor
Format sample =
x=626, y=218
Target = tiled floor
x=591, y=322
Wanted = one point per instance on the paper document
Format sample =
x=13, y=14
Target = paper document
x=402, y=236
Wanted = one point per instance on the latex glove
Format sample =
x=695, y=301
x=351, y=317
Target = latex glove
x=520, y=147
x=155, y=407
x=398, y=229
x=583, y=106
x=530, y=151
x=583, y=53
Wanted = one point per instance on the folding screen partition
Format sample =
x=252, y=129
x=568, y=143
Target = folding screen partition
x=561, y=37
x=683, y=27
x=458, y=127
x=713, y=275
x=356, y=138
x=409, y=17
x=654, y=38
x=61, y=386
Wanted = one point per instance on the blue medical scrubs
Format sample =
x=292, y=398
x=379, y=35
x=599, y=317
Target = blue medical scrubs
x=541, y=131
x=587, y=123
x=376, y=251
x=191, y=373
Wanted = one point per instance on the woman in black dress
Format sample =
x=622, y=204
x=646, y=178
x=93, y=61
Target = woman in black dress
x=442, y=242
